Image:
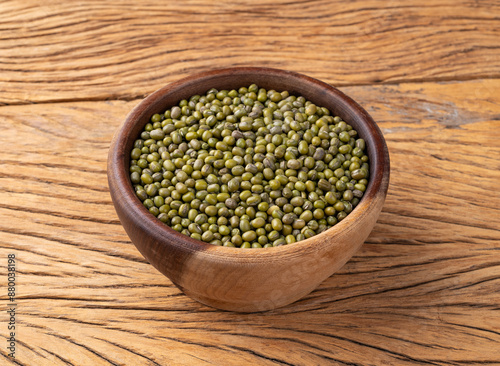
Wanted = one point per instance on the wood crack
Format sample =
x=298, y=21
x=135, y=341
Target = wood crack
x=340, y=85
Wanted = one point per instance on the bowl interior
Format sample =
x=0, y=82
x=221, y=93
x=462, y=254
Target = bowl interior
x=316, y=91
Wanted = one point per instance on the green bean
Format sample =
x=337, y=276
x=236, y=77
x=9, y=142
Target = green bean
x=249, y=168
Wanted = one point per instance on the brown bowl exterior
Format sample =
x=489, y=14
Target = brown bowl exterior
x=247, y=280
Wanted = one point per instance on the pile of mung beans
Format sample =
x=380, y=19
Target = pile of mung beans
x=249, y=168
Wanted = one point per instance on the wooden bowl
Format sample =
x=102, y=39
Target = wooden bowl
x=247, y=280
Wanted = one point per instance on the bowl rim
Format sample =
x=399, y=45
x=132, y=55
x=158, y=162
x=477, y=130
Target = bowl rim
x=123, y=193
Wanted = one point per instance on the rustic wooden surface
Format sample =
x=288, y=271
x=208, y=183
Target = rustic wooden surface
x=424, y=288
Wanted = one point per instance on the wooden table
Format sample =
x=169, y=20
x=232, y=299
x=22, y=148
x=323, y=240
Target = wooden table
x=424, y=288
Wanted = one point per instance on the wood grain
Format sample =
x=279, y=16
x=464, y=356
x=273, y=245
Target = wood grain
x=90, y=50
x=422, y=290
